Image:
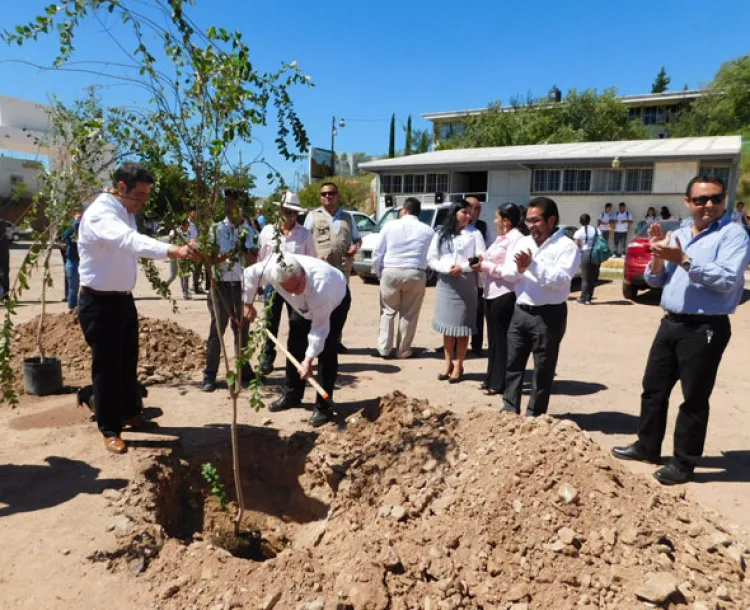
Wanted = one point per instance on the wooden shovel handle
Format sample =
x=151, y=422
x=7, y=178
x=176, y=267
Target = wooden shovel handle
x=295, y=362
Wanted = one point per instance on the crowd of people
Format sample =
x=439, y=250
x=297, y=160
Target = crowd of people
x=518, y=285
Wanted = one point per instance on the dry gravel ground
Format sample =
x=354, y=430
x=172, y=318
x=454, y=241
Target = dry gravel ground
x=53, y=468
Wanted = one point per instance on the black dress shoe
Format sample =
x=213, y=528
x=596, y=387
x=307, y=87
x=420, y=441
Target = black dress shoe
x=673, y=474
x=320, y=418
x=266, y=369
x=484, y=386
x=283, y=403
x=343, y=349
x=208, y=385
x=635, y=453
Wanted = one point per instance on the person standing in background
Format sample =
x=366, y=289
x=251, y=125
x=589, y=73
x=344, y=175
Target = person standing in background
x=585, y=238
x=623, y=220
x=477, y=339
x=192, y=237
x=400, y=261
x=70, y=254
x=605, y=222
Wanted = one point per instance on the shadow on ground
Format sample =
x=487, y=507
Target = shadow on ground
x=729, y=467
x=30, y=487
x=608, y=422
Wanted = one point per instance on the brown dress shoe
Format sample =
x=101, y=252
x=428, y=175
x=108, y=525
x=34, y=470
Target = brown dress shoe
x=115, y=444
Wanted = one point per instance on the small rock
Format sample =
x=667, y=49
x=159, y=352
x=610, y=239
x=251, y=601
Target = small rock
x=658, y=588
x=318, y=604
x=735, y=554
x=111, y=494
x=120, y=524
x=568, y=493
x=398, y=512
x=723, y=593
x=702, y=606
x=719, y=539
x=521, y=606
x=429, y=465
x=517, y=506
x=695, y=530
x=270, y=601
x=609, y=536
x=65, y=551
x=267, y=421
x=517, y=593
x=566, y=535
x=171, y=588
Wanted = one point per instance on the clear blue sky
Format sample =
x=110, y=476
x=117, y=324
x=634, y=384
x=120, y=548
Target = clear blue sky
x=371, y=59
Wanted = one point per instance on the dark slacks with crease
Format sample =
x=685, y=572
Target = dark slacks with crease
x=272, y=324
x=499, y=314
x=538, y=331
x=228, y=301
x=688, y=349
x=110, y=326
x=328, y=360
x=477, y=339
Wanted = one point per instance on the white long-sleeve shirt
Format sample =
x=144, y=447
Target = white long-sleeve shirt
x=109, y=246
x=468, y=243
x=227, y=237
x=403, y=245
x=325, y=288
x=298, y=241
x=547, y=279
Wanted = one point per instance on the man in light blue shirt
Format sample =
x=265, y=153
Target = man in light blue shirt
x=701, y=268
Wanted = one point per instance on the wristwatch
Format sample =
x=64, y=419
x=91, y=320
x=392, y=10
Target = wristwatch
x=686, y=262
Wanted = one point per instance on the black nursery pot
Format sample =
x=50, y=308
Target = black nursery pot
x=42, y=377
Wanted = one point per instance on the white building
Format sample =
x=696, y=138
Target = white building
x=580, y=177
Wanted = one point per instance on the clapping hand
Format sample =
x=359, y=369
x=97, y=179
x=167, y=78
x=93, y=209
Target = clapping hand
x=661, y=249
x=655, y=233
x=523, y=260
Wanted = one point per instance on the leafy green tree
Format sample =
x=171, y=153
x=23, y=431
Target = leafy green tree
x=205, y=96
x=661, y=82
x=392, y=138
x=725, y=108
x=421, y=140
x=407, y=146
x=354, y=191
x=583, y=117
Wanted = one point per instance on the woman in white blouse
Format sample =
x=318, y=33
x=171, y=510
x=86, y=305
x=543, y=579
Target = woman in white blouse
x=499, y=294
x=453, y=250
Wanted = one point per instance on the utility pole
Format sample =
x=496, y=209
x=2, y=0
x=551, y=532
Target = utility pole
x=334, y=133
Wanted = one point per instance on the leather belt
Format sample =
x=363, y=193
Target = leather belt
x=692, y=317
x=87, y=290
x=538, y=308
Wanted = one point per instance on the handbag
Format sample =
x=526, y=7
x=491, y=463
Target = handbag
x=600, y=251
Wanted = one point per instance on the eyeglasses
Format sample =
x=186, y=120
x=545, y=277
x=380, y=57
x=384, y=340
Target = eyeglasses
x=704, y=199
x=329, y=193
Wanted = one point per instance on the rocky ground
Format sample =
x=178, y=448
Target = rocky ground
x=419, y=509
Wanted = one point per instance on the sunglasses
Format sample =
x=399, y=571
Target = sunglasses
x=704, y=199
x=329, y=193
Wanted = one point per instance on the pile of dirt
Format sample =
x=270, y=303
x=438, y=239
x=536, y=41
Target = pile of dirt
x=423, y=510
x=168, y=352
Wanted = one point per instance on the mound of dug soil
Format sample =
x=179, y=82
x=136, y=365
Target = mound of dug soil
x=168, y=351
x=423, y=510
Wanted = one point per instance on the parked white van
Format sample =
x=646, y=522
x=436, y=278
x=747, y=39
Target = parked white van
x=432, y=215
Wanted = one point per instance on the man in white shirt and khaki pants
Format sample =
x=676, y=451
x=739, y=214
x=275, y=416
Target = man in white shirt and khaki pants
x=400, y=261
x=109, y=247
x=540, y=268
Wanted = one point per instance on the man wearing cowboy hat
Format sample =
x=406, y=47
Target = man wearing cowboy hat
x=286, y=235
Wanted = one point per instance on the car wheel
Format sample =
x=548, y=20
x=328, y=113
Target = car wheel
x=629, y=291
x=15, y=237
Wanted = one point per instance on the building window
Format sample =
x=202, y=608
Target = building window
x=419, y=183
x=409, y=183
x=15, y=179
x=396, y=184
x=639, y=180
x=607, y=181
x=576, y=180
x=437, y=183
x=721, y=171
x=545, y=181
x=385, y=183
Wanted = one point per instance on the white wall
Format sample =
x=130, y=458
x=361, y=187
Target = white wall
x=503, y=186
x=672, y=177
x=572, y=206
x=10, y=166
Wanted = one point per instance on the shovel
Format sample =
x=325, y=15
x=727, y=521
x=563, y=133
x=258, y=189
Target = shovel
x=338, y=417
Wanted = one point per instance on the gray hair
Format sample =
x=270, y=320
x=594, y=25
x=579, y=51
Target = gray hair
x=286, y=267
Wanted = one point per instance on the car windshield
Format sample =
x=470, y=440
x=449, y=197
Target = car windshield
x=666, y=225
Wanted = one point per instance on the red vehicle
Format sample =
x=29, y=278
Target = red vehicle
x=637, y=257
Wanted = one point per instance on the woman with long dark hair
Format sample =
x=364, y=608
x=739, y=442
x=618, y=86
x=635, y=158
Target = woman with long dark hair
x=585, y=238
x=453, y=250
x=499, y=295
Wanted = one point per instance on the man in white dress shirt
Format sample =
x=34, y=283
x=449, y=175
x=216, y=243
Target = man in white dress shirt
x=109, y=247
x=236, y=245
x=477, y=339
x=317, y=297
x=400, y=261
x=285, y=236
x=336, y=235
x=540, y=268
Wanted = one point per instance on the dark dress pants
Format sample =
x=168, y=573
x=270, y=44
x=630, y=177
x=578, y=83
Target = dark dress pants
x=477, y=339
x=4, y=263
x=538, y=330
x=589, y=276
x=328, y=360
x=688, y=348
x=499, y=314
x=110, y=326
x=229, y=302
x=268, y=357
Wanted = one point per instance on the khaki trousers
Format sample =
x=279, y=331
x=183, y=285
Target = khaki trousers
x=401, y=292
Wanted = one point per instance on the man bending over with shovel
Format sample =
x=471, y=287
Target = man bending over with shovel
x=317, y=298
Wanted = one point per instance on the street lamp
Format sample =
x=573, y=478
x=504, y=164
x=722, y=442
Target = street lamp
x=334, y=133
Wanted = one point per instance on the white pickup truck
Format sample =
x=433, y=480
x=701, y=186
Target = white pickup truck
x=432, y=215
